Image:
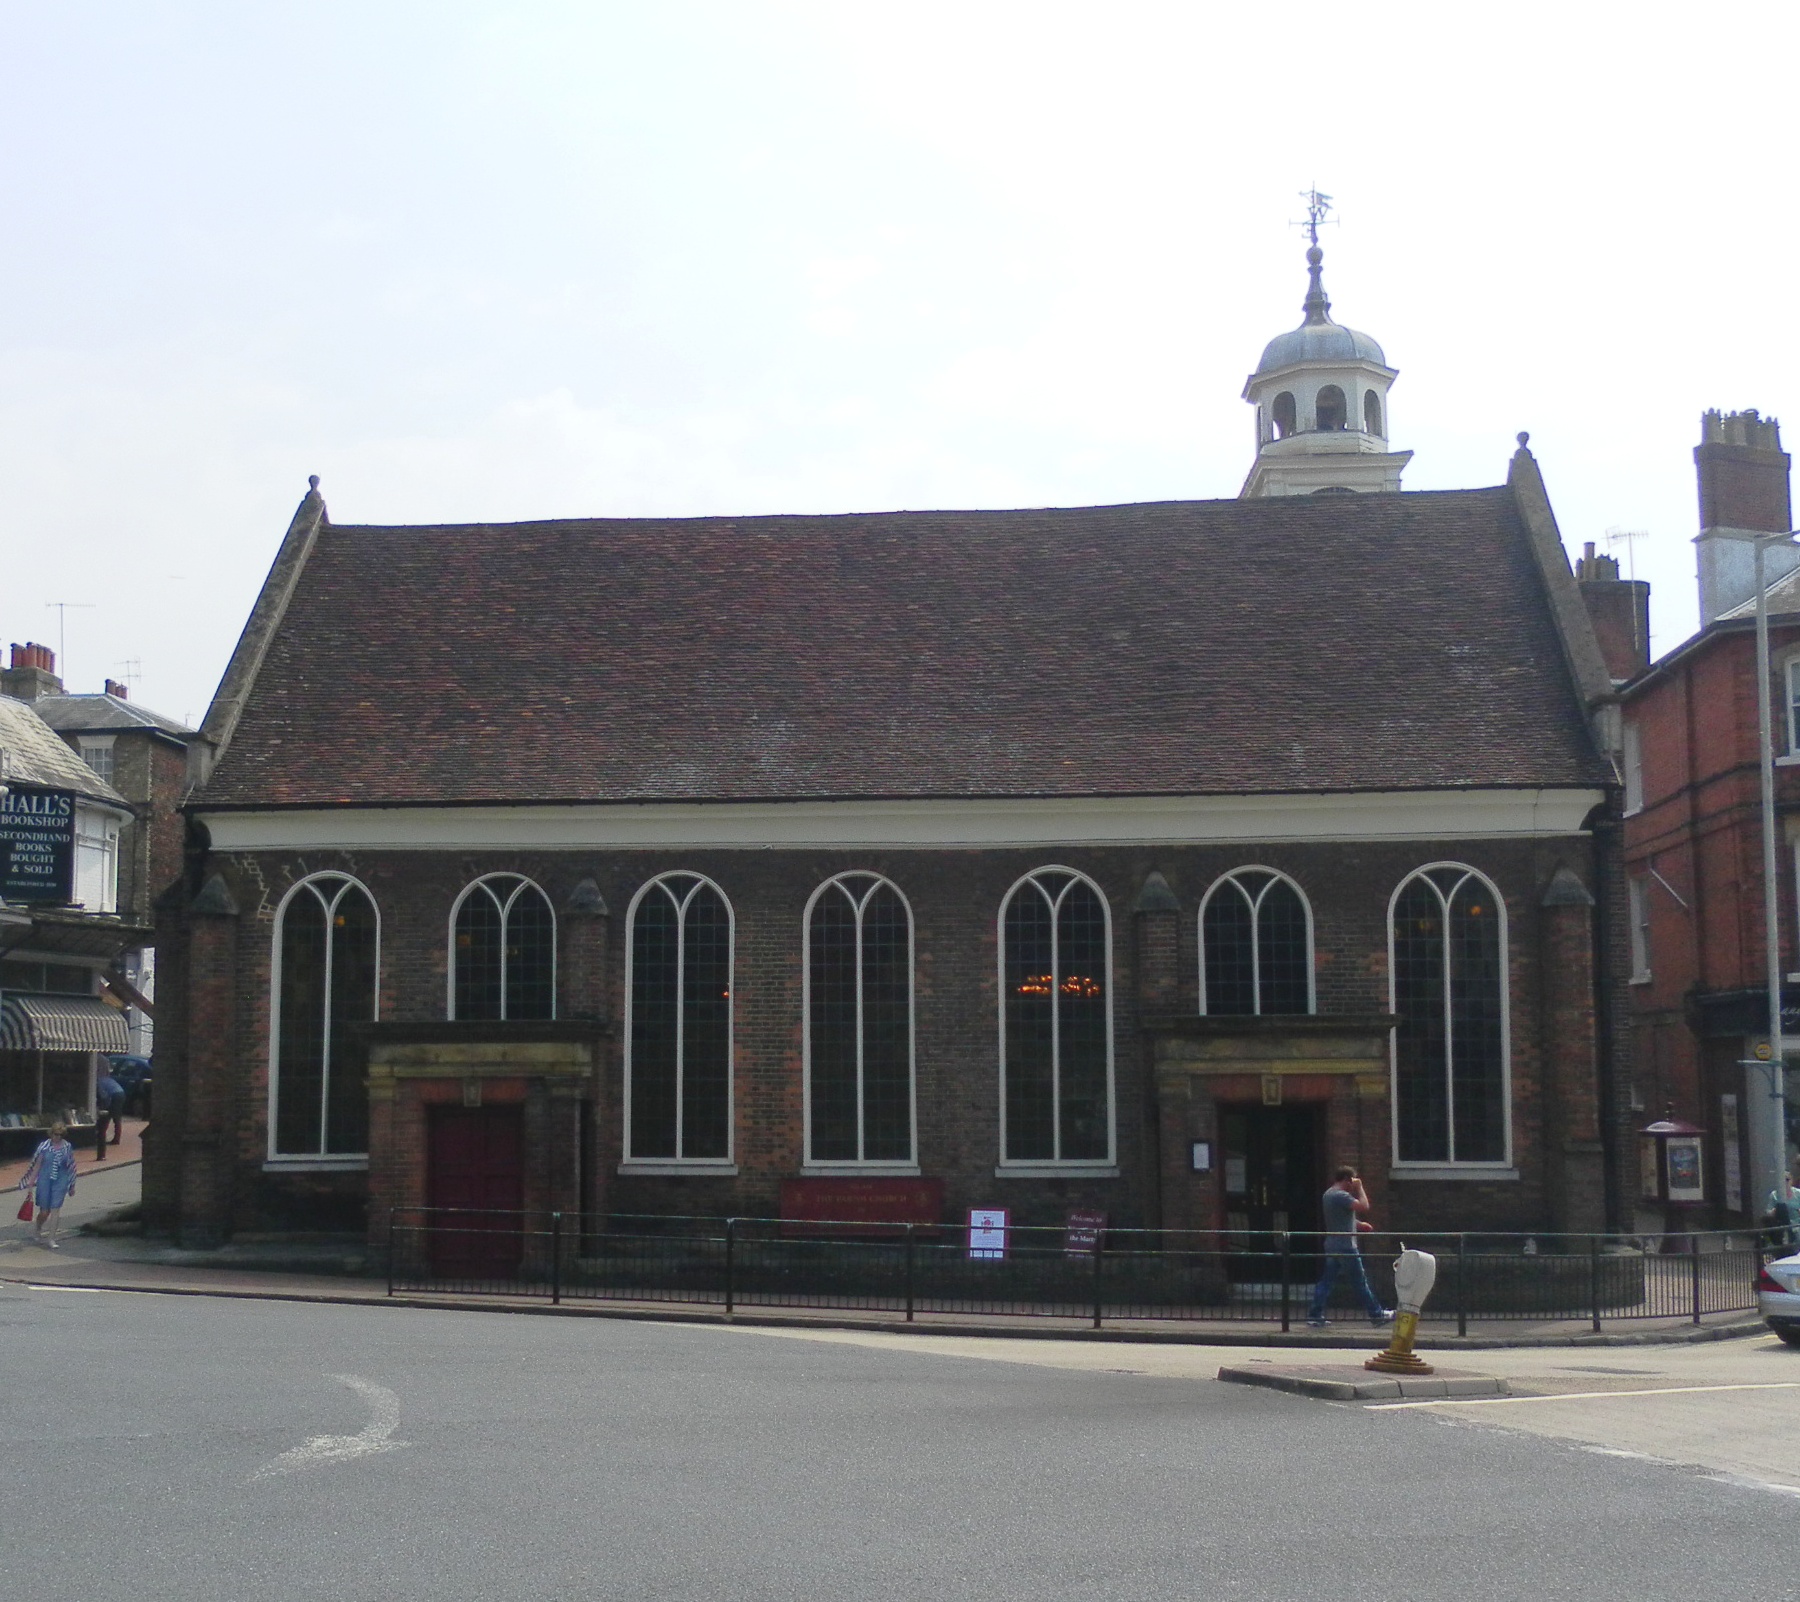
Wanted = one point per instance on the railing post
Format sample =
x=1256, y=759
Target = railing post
x=730, y=1266
x=1462, y=1294
x=1099, y=1249
x=1694, y=1262
x=556, y=1259
x=909, y=1272
x=1594, y=1279
x=390, y=1254
x=1287, y=1263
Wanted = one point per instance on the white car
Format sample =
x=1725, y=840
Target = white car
x=1778, y=1297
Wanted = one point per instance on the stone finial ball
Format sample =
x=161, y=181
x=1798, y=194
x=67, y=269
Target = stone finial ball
x=1524, y=439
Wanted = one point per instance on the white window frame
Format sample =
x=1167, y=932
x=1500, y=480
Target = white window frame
x=1638, y=893
x=96, y=850
x=1454, y=1167
x=1101, y=1167
x=1631, y=760
x=485, y=884
x=321, y=1160
x=860, y=1165
x=1232, y=878
x=1789, y=668
x=679, y=1164
x=93, y=745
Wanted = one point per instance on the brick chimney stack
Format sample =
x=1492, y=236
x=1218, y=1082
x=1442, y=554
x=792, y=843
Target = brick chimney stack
x=1620, y=609
x=32, y=674
x=1743, y=480
x=116, y=690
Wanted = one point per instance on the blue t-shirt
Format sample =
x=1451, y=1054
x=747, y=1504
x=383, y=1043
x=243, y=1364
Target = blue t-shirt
x=1340, y=1220
x=109, y=1093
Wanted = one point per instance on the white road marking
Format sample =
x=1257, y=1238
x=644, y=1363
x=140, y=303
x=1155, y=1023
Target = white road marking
x=1579, y=1396
x=326, y=1449
x=1750, y=1482
x=77, y=1290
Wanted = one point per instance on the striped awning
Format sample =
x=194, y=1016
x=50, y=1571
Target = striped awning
x=61, y=1023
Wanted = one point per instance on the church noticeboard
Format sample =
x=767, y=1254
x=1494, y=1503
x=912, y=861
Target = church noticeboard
x=37, y=831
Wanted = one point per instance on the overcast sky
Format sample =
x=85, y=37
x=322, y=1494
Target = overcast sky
x=471, y=261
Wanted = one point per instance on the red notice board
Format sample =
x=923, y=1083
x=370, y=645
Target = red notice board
x=863, y=1205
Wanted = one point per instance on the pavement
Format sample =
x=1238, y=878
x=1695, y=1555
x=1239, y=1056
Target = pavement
x=245, y=1448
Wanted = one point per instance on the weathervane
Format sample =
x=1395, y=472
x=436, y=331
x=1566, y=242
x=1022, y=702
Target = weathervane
x=1318, y=210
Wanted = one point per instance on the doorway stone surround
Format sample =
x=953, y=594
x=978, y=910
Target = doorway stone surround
x=548, y=1069
x=1202, y=1064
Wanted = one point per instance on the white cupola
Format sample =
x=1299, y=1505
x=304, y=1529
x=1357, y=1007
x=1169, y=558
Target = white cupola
x=1321, y=399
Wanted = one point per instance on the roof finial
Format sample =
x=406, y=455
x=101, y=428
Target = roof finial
x=1318, y=210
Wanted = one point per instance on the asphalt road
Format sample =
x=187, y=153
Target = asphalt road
x=166, y=1446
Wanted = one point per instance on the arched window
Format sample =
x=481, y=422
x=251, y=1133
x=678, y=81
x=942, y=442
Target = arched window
x=1056, y=1021
x=678, y=1022
x=502, y=950
x=326, y=963
x=1371, y=412
x=1447, y=929
x=1255, y=946
x=859, y=1024
x=1284, y=414
x=1331, y=409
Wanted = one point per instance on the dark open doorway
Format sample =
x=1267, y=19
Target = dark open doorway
x=1273, y=1162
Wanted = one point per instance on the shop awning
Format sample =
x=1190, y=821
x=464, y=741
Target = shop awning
x=61, y=1023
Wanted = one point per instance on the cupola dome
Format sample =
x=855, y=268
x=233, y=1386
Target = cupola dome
x=1321, y=398
x=1318, y=338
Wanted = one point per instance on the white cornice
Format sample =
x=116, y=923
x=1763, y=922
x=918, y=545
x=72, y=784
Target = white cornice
x=752, y=825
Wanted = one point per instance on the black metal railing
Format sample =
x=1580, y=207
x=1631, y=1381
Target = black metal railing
x=904, y=1270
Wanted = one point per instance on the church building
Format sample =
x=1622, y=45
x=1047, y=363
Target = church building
x=1150, y=860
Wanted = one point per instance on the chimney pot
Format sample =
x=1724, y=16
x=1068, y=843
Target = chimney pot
x=115, y=689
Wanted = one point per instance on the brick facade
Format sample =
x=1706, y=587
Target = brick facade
x=212, y=1128
x=1694, y=849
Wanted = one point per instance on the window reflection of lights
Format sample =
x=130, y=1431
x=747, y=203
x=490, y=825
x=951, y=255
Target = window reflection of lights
x=1055, y=1024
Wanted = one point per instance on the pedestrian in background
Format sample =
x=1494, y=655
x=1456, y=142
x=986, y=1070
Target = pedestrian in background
x=1344, y=1204
x=109, y=1107
x=1783, y=1215
x=52, y=1167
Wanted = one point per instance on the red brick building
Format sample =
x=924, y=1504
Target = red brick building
x=1150, y=859
x=1147, y=860
x=1693, y=823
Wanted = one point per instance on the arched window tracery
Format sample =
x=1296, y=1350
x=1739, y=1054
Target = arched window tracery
x=502, y=950
x=1448, y=984
x=678, y=1025
x=1256, y=946
x=859, y=1023
x=1056, y=1021
x=326, y=962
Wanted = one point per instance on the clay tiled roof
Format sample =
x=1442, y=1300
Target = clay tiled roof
x=1339, y=642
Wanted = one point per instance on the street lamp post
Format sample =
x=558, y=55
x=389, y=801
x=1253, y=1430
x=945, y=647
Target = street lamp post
x=1768, y=1123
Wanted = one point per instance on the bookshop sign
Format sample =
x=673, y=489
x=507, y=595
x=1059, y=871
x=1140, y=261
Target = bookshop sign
x=37, y=844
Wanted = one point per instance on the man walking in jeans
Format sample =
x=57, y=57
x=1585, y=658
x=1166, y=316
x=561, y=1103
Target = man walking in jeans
x=1343, y=1205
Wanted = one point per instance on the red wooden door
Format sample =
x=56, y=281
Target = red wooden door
x=476, y=1163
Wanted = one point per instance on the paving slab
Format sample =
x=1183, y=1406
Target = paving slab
x=1340, y=1382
